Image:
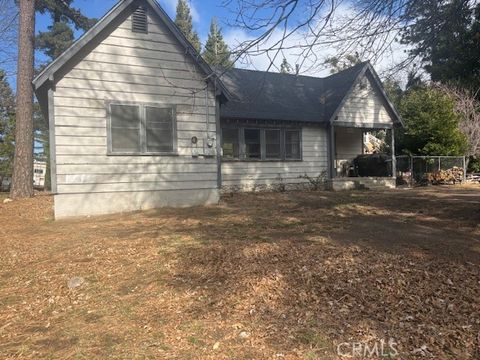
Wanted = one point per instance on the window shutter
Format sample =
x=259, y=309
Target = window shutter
x=125, y=128
x=160, y=129
x=140, y=21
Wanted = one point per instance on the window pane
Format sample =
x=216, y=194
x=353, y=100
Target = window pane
x=230, y=143
x=252, y=144
x=159, y=129
x=125, y=124
x=292, y=144
x=272, y=144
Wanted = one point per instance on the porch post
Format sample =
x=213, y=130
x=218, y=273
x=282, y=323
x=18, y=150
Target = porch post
x=331, y=152
x=394, y=159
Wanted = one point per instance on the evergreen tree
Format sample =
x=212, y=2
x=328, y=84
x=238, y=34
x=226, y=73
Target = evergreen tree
x=216, y=52
x=7, y=126
x=183, y=20
x=431, y=124
x=445, y=35
x=60, y=35
x=285, y=67
x=53, y=42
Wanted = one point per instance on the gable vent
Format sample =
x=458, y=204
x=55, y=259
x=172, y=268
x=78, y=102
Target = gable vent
x=140, y=21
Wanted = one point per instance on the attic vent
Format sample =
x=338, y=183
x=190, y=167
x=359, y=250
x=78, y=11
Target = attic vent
x=140, y=21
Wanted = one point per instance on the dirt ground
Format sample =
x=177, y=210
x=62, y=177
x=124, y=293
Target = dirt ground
x=261, y=276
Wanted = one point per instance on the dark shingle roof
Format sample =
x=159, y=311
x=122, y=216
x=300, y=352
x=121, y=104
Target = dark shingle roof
x=276, y=96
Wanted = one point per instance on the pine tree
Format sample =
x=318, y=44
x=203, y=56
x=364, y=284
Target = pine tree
x=216, y=52
x=22, y=180
x=7, y=126
x=60, y=34
x=285, y=67
x=183, y=20
x=53, y=43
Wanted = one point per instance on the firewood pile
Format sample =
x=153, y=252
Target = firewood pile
x=444, y=177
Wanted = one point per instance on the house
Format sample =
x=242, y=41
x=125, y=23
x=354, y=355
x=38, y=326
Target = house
x=138, y=120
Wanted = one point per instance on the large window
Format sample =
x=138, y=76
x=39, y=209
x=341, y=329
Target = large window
x=273, y=144
x=230, y=143
x=253, y=146
x=292, y=145
x=141, y=129
x=246, y=143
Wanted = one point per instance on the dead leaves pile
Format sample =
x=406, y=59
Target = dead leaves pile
x=275, y=276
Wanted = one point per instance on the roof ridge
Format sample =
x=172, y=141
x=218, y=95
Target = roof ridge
x=359, y=65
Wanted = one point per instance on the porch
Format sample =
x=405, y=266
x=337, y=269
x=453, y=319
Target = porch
x=362, y=156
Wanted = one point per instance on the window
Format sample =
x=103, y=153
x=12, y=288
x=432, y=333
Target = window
x=292, y=144
x=252, y=144
x=230, y=143
x=125, y=128
x=159, y=126
x=273, y=144
x=245, y=143
x=140, y=21
x=141, y=129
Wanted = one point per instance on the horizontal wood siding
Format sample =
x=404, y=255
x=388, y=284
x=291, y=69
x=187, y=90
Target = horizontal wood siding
x=250, y=173
x=133, y=67
x=349, y=143
x=364, y=106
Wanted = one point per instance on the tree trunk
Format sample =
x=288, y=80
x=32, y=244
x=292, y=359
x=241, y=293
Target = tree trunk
x=22, y=181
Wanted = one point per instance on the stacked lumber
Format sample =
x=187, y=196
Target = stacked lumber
x=449, y=176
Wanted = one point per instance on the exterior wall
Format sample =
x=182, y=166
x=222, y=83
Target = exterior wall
x=348, y=145
x=266, y=175
x=133, y=67
x=364, y=106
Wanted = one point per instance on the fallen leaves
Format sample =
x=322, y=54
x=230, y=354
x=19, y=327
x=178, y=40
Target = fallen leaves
x=286, y=276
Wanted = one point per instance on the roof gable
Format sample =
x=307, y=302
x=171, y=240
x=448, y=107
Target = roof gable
x=367, y=71
x=104, y=26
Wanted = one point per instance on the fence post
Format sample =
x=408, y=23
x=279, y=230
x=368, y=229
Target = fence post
x=464, y=169
x=411, y=170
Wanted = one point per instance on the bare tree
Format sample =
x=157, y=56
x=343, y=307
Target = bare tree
x=307, y=28
x=22, y=181
x=468, y=107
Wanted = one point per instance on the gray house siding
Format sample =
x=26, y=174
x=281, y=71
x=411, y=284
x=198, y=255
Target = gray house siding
x=140, y=68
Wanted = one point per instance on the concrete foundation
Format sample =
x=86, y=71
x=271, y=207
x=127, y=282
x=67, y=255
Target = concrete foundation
x=73, y=205
x=367, y=183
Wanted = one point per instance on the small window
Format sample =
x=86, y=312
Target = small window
x=140, y=21
x=125, y=128
x=252, y=144
x=292, y=144
x=159, y=126
x=273, y=144
x=230, y=143
x=142, y=129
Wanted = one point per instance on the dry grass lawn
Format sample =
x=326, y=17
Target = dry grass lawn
x=262, y=276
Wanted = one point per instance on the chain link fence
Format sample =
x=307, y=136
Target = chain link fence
x=424, y=170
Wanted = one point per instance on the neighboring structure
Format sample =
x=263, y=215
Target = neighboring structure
x=137, y=119
x=39, y=173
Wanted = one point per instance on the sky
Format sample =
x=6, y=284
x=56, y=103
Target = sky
x=202, y=13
